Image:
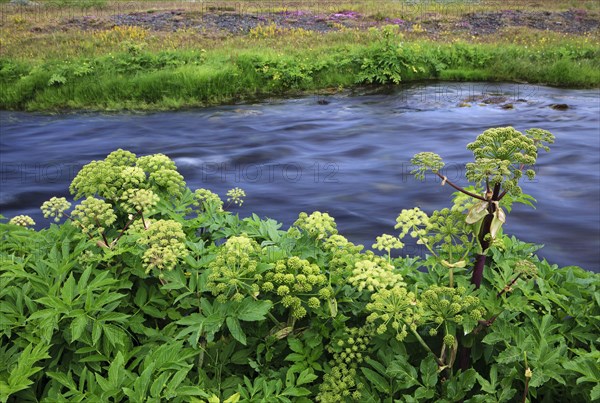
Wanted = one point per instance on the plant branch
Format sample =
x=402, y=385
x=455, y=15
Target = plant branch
x=507, y=286
x=446, y=180
x=127, y=226
x=426, y=347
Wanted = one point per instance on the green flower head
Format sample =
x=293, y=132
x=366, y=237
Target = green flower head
x=387, y=242
x=22, y=220
x=426, y=161
x=395, y=308
x=319, y=225
x=94, y=215
x=165, y=242
x=208, y=199
x=55, y=208
x=236, y=196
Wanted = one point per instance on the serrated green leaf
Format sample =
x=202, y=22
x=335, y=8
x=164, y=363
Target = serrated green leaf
x=115, y=369
x=235, y=329
x=295, y=345
x=429, y=371
x=114, y=317
x=403, y=372
x=83, y=279
x=306, y=376
x=377, y=380
x=294, y=357
x=114, y=335
x=68, y=290
x=78, y=325
x=296, y=392
x=159, y=384
x=104, y=384
x=64, y=379
x=252, y=311
x=96, y=331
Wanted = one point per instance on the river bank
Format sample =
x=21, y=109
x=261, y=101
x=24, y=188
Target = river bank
x=153, y=58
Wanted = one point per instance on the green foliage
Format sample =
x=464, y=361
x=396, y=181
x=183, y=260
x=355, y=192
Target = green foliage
x=149, y=291
x=132, y=76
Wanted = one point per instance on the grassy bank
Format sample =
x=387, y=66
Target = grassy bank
x=43, y=67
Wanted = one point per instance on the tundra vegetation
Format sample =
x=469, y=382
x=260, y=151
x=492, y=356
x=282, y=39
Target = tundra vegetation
x=146, y=290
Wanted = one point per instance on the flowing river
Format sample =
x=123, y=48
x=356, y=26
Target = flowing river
x=348, y=155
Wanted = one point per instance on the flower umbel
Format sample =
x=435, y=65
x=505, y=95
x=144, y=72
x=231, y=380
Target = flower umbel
x=236, y=196
x=22, y=220
x=94, y=215
x=319, y=225
x=165, y=241
x=396, y=308
x=55, y=208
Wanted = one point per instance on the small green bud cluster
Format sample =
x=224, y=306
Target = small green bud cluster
x=168, y=180
x=208, y=199
x=94, y=215
x=409, y=221
x=98, y=178
x=22, y=220
x=233, y=273
x=526, y=269
x=133, y=177
x=348, y=352
x=121, y=158
x=495, y=170
x=319, y=225
x=374, y=275
x=539, y=137
x=448, y=229
x=139, y=199
x=55, y=207
x=424, y=162
x=155, y=163
x=293, y=280
x=396, y=308
x=343, y=255
x=236, y=196
x=387, y=242
x=449, y=340
x=450, y=304
x=165, y=241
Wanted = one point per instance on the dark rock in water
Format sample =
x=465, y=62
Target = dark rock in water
x=323, y=102
x=559, y=107
x=487, y=99
x=507, y=106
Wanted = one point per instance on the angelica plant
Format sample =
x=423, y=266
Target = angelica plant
x=501, y=157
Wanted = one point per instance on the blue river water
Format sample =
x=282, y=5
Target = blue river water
x=347, y=154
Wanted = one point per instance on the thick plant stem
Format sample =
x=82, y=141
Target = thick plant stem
x=478, y=270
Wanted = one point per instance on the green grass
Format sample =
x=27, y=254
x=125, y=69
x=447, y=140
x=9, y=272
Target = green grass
x=188, y=78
